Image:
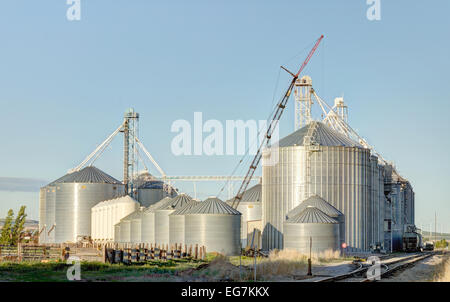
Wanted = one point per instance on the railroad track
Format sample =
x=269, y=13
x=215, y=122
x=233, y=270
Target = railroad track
x=388, y=268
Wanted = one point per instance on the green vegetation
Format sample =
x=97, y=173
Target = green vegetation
x=5, y=235
x=441, y=244
x=11, y=234
x=95, y=271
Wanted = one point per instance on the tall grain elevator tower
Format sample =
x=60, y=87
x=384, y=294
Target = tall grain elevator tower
x=303, y=101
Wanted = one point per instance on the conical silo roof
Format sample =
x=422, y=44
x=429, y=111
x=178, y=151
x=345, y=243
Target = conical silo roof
x=159, y=205
x=177, y=202
x=213, y=205
x=254, y=194
x=318, y=202
x=88, y=174
x=186, y=208
x=134, y=215
x=321, y=134
x=311, y=215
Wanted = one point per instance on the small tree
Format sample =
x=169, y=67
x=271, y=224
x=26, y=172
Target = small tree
x=18, y=227
x=5, y=235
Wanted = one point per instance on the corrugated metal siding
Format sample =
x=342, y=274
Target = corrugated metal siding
x=217, y=232
x=213, y=205
x=339, y=175
x=325, y=236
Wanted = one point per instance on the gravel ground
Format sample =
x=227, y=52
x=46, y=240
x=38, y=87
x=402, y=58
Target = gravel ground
x=424, y=271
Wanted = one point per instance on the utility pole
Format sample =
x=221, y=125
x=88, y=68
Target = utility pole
x=435, y=227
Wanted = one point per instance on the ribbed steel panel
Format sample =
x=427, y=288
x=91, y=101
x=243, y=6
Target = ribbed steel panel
x=340, y=175
x=89, y=174
x=325, y=236
x=323, y=135
x=125, y=231
x=311, y=215
x=107, y=213
x=148, y=220
x=213, y=205
x=176, y=224
x=42, y=212
x=250, y=207
x=136, y=225
x=217, y=232
x=162, y=226
x=117, y=232
x=73, y=203
x=50, y=214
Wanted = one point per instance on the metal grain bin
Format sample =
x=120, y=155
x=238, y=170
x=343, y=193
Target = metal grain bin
x=250, y=207
x=148, y=221
x=316, y=160
x=125, y=229
x=117, y=232
x=315, y=224
x=151, y=190
x=215, y=225
x=75, y=195
x=108, y=213
x=162, y=226
x=42, y=220
x=176, y=223
x=321, y=204
x=135, y=227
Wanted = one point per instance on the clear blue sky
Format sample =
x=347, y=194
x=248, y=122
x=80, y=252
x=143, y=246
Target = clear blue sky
x=65, y=85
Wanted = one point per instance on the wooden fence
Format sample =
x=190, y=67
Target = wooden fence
x=141, y=253
x=28, y=252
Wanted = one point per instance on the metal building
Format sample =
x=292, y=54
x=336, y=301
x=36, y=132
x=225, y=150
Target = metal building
x=316, y=160
x=324, y=206
x=215, y=225
x=148, y=221
x=75, y=195
x=151, y=190
x=106, y=214
x=311, y=226
x=250, y=207
x=162, y=226
x=177, y=221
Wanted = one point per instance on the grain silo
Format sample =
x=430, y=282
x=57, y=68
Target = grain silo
x=162, y=217
x=47, y=209
x=324, y=206
x=316, y=160
x=148, y=221
x=117, y=232
x=125, y=228
x=311, y=226
x=75, y=195
x=136, y=226
x=42, y=219
x=106, y=214
x=151, y=190
x=250, y=206
x=215, y=225
x=176, y=223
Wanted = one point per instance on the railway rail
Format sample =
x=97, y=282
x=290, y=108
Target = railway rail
x=389, y=265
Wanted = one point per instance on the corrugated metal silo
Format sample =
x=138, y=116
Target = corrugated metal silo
x=75, y=195
x=324, y=206
x=125, y=229
x=108, y=213
x=117, y=232
x=176, y=223
x=215, y=225
x=162, y=226
x=151, y=190
x=148, y=221
x=250, y=207
x=315, y=224
x=316, y=160
x=42, y=219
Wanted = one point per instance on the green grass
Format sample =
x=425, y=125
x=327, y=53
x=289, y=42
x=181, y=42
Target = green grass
x=94, y=271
